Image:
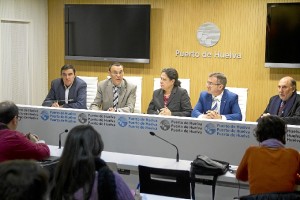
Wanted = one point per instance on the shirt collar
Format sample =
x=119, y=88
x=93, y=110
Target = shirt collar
x=219, y=97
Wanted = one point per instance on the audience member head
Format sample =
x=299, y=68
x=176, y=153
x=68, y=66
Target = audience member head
x=270, y=127
x=116, y=72
x=286, y=87
x=169, y=79
x=77, y=163
x=23, y=180
x=216, y=83
x=9, y=114
x=68, y=74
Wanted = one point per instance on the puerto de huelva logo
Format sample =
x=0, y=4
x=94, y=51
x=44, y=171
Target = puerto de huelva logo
x=122, y=121
x=208, y=35
x=210, y=129
x=44, y=115
x=82, y=118
x=164, y=125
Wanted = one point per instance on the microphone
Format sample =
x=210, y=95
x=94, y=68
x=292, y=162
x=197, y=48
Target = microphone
x=177, y=155
x=59, y=141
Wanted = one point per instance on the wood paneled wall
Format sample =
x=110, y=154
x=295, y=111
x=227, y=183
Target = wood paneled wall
x=174, y=25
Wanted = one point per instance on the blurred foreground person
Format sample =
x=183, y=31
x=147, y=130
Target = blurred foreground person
x=82, y=174
x=16, y=145
x=270, y=167
x=23, y=180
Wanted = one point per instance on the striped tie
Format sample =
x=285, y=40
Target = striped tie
x=281, y=109
x=214, y=105
x=116, y=97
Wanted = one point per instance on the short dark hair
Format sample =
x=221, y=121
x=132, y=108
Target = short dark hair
x=8, y=110
x=23, y=180
x=172, y=74
x=270, y=127
x=77, y=163
x=67, y=66
x=115, y=64
x=220, y=77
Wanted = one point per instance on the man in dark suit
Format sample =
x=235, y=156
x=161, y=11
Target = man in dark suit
x=217, y=102
x=287, y=103
x=68, y=91
x=115, y=94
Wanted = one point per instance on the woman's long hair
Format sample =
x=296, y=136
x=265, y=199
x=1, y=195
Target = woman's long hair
x=78, y=163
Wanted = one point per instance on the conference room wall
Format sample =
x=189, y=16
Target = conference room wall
x=174, y=25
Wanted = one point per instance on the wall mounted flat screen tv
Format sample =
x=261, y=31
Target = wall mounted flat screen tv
x=99, y=32
x=283, y=35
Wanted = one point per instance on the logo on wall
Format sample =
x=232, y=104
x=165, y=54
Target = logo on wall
x=164, y=125
x=122, y=121
x=82, y=118
x=210, y=129
x=208, y=34
x=44, y=115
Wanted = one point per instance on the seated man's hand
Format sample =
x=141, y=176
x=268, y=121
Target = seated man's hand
x=265, y=114
x=32, y=137
x=111, y=110
x=165, y=111
x=55, y=104
x=211, y=114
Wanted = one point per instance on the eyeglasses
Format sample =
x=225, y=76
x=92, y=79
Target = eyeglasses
x=18, y=118
x=117, y=73
x=211, y=83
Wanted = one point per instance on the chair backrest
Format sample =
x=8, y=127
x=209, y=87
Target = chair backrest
x=298, y=92
x=185, y=83
x=91, y=89
x=166, y=182
x=243, y=94
x=136, y=80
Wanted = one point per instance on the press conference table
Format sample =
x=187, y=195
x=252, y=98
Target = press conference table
x=128, y=163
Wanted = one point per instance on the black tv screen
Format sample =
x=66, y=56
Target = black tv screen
x=283, y=35
x=107, y=32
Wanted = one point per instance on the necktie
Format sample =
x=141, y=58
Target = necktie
x=280, y=111
x=116, y=97
x=214, y=105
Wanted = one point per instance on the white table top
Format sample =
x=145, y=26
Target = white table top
x=158, y=197
x=132, y=161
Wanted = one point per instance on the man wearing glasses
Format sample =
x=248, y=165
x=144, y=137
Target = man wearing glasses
x=16, y=145
x=115, y=94
x=287, y=103
x=217, y=102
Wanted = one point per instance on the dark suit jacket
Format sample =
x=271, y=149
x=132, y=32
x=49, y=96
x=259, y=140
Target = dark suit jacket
x=77, y=94
x=229, y=105
x=179, y=102
x=291, y=114
x=104, y=97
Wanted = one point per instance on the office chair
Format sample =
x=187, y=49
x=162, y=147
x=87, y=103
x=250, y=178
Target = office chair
x=165, y=182
x=272, y=196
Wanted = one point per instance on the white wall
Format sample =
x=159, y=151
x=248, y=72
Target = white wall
x=24, y=51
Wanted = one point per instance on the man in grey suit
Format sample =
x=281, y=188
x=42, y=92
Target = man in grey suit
x=68, y=91
x=115, y=94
